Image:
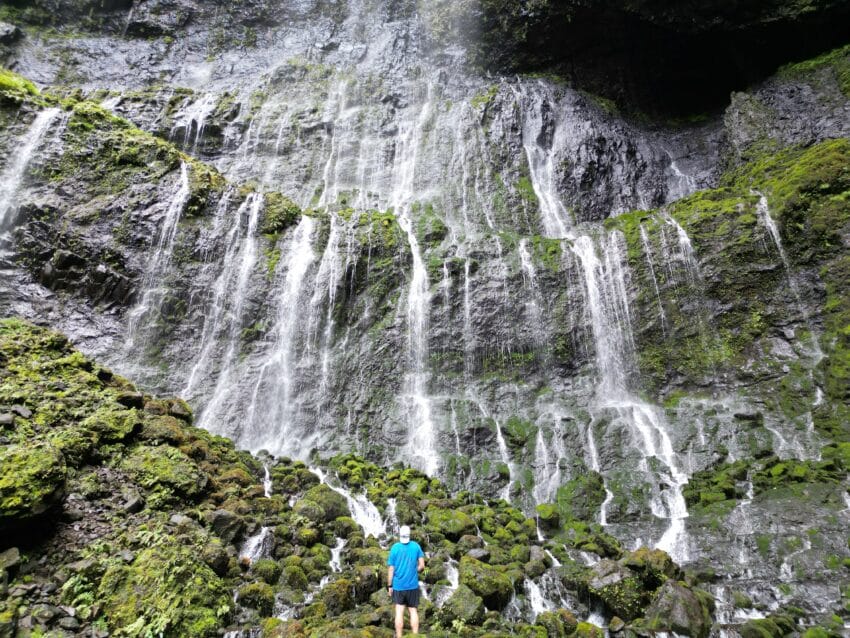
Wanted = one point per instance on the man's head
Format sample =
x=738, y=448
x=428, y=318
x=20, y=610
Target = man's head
x=404, y=534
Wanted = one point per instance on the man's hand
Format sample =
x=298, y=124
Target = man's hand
x=390, y=591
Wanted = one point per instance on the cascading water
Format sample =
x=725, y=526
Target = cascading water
x=363, y=511
x=422, y=441
x=13, y=172
x=154, y=287
x=270, y=410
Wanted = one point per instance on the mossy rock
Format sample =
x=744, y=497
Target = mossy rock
x=112, y=423
x=32, y=480
x=463, y=605
x=552, y=623
x=166, y=471
x=259, y=596
x=332, y=503
x=676, y=608
x=338, y=596
x=166, y=589
x=280, y=213
x=451, y=523
x=267, y=570
x=618, y=588
x=774, y=626
x=491, y=583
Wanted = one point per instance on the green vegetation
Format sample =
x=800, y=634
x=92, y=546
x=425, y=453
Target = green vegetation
x=838, y=61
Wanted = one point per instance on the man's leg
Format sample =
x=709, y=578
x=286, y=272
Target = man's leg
x=414, y=619
x=399, y=620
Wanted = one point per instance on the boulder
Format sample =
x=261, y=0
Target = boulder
x=488, y=582
x=463, y=605
x=10, y=559
x=32, y=481
x=9, y=33
x=332, y=503
x=618, y=588
x=676, y=608
x=226, y=525
x=453, y=524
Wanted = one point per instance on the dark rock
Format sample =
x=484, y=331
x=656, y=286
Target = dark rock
x=479, y=553
x=132, y=399
x=44, y=613
x=616, y=625
x=464, y=605
x=227, y=525
x=181, y=410
x=69, y=623
x=133, y=501
x=9, y=33
x=158, y=17
x=10, y=559
x=681, y=610
x=22, y=411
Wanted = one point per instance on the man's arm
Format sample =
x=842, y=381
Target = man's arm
x=390, y=572
x=420, y=565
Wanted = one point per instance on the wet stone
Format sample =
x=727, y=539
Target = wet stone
x=7, y=419
x=22, y=411
x=10, y=558
x=131, y=399
x=9, y=33
x=69, y=623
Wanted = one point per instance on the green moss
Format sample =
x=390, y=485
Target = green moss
x=280, y=213
x=259, y=596
x=579, y=499
x=489, y=582
x=166, y=472
x=166, y=589
x=32, y=478
x=482, y=100
x=838, y=61
x=15, y=85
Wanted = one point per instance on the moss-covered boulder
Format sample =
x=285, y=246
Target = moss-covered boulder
x=333, y=504
x=618, y=588
x=259, y=596
x=165, y=589
x=32, y=479
x=491, y=583
x=463, y=605
x=338, y=596
x=451, y=523
x=165, y=471
x=676, y=608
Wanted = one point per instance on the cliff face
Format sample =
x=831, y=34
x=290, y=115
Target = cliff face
x=331, y=235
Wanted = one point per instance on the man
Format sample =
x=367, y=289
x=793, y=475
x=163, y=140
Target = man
x=405, y=562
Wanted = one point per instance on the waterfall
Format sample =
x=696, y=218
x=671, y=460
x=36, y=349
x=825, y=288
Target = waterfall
x=154, y=287
x=192, y=119
x=14, y=172
x=270, y=410
x=257, y=546
x=363, y=511
x=422, y=440
x=229, y=294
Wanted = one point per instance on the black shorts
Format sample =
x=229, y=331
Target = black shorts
x=406, y=597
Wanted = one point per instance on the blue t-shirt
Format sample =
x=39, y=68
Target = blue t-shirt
x=404, y=558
